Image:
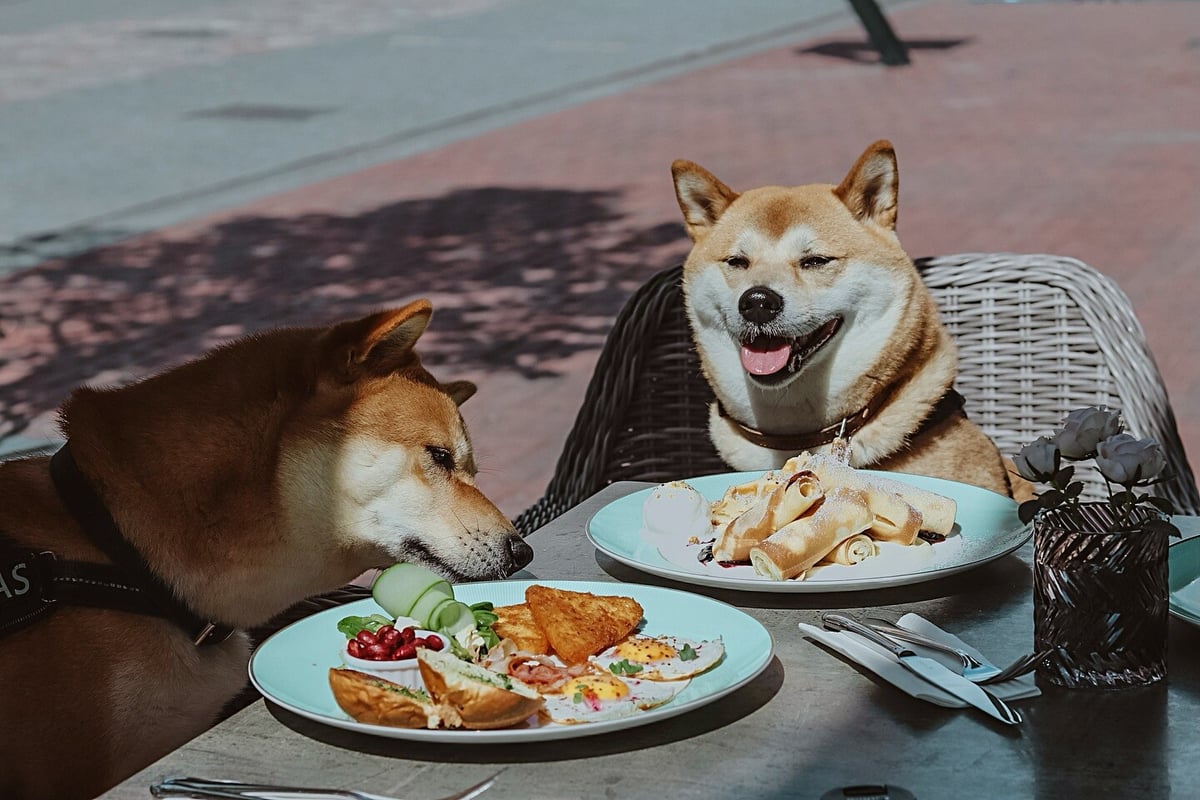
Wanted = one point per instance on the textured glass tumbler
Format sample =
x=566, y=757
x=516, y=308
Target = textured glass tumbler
x=1100, y=597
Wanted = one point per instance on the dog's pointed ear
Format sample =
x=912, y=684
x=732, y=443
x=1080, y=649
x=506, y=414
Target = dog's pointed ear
x=702, y=198
x=378, y=344
x=871, y=188
x=459, y=391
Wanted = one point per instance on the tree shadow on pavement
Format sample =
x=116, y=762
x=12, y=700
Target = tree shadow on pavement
x=520, y=278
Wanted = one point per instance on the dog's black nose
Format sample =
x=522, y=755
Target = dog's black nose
x=519, y=552
x=760, y=304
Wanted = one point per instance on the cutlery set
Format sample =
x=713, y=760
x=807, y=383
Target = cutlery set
x=237, y=790
x=966, y=684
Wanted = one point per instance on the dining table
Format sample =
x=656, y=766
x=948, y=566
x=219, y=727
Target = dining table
x=810, y=724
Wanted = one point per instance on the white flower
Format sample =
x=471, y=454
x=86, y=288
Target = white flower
x=1037, y=460
x=1084, y=428
x=1125, y=460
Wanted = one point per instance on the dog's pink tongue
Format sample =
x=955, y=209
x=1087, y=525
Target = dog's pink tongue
x=766, y=356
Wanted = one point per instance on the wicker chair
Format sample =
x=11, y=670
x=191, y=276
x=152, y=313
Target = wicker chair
x=1038, y=336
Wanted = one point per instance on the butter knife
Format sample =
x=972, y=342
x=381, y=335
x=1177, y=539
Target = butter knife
x=929, y=670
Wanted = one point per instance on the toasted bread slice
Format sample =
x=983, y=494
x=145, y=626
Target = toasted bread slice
x=482, y=699
x=377, y=701
x=517, y=623
x=581, y=624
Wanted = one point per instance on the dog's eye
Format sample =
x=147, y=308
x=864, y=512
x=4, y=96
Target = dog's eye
x=737, y=262
x=810, y=262
x=441, y=456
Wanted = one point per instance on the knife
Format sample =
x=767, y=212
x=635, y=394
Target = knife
x=928, y=670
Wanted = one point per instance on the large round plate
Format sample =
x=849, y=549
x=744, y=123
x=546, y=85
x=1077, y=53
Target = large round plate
x=986, y=528
x=1183, y=561
x=291, y=667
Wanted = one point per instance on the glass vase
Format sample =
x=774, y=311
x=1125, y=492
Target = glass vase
x=1100, y=597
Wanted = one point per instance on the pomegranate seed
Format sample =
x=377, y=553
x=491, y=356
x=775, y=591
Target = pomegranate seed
x=406, y=650
x=384, y=630
x=433, y=642
x=354, y=648
x=366, y=637
x=408, y=634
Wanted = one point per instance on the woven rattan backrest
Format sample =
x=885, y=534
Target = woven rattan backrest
x=1041, y=335
x=1038, y=336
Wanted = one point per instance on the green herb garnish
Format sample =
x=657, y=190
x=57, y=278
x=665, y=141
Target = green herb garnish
x=623, y=667
x=688, y=653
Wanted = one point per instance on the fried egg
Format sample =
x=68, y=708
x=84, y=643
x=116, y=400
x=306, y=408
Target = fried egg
x=596, y=696
x=660, y=658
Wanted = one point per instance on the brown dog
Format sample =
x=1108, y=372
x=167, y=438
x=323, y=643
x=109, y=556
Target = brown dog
x=810, y=318
x=275, y=468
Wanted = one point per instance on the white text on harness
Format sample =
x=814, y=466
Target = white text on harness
x=14, y=584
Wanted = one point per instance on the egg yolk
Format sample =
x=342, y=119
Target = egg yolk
x=644, y=650
x=602, y=687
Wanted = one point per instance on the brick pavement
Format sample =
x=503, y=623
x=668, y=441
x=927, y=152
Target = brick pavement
x=1064, y=128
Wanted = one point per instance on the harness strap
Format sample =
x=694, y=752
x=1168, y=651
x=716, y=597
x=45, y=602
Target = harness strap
x=130, y=575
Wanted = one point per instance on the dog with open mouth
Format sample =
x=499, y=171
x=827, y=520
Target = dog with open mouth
x=811, y=321
x=195, y=504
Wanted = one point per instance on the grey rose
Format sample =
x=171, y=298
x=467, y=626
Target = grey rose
x=1125, y=460
x=1038, y=460
x=1084, y=428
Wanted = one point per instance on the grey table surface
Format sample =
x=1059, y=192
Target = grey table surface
x=811, y=722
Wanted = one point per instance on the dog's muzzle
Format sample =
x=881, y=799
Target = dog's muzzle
x=519, y=553
x=760, y=304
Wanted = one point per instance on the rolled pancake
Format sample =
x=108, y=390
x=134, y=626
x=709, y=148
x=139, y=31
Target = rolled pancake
x=738, y=499
x=937, y=511
x=796, y=547
x=894, y=519
x=851, y=551
x=782, y=506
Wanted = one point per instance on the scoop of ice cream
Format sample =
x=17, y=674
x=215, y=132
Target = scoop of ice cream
x=677, y=510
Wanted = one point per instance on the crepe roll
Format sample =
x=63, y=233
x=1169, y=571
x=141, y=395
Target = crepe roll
x=937, y=511
x=740, y=497
x=851, y=551
x=894, y=519
x=783, y=505
x=795, y=548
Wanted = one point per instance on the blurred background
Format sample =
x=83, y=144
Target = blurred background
x=176, y=173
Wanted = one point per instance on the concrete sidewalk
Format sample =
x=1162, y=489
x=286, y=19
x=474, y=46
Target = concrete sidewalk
x=1064, y=128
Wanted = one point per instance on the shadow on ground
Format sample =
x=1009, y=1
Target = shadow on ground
x=520, y=278
x=864, y=52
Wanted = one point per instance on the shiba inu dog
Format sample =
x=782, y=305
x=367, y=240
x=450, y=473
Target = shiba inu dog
x=810, y=320
x=207, y=499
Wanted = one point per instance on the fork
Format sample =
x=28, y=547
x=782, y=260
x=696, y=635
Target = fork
x=237, y=790
x=973, y=669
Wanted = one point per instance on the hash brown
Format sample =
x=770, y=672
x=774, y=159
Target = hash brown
x=581, y=624
x=517, y=623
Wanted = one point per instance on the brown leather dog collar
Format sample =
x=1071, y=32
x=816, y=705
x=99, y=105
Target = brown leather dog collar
x=950, y=403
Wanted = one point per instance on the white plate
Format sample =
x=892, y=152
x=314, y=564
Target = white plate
x=291, y=668
x=1184, y=582
x=986, y=528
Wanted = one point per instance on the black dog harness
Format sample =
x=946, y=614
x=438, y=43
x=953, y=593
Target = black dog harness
x=33, y=583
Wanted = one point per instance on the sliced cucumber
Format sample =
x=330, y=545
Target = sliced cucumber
x=426, y=608
x=401, y=587
x=453, y=617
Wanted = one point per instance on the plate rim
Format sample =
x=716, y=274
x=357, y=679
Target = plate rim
x=548, y=732
x=801, y=587
x=1172, y=606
